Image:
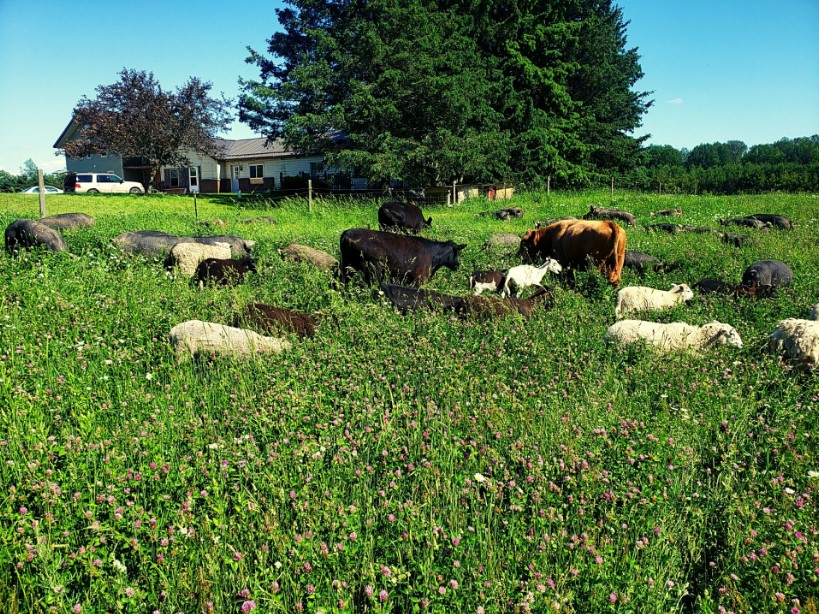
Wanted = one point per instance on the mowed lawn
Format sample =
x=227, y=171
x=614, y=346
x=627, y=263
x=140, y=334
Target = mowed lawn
x=401, y=463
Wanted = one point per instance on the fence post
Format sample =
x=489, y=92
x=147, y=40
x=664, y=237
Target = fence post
x=195, y=209
x=612, y=187
x=454, y=194
x=310, y=195
x=548, y=185
x=41, y=183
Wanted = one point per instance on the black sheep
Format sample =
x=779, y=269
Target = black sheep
x=223, y=271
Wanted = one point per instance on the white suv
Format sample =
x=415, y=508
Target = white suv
x=94, y=183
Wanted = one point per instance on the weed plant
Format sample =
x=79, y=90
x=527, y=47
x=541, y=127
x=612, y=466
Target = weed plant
x=400, y=463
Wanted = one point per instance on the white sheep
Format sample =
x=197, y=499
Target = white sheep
x=797, y=339
x=525, y=275
x=642, y=298
x=197, y=337
x=673, y=336
x=186, y=256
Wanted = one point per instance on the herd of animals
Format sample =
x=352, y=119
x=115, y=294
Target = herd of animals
x=396, y=253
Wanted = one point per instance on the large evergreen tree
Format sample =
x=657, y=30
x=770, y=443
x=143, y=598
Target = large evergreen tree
x=436, y=90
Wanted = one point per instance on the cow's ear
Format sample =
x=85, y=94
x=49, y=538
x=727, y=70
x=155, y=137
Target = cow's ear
x=460, y=247
x=429, y=222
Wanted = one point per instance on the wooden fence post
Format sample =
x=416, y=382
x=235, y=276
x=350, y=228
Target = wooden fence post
x=612, y=187
x=548, y=185
x=310, y=195
x=454, y=194
x=41, y=183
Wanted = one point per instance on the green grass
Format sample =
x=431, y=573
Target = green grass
x=400, y=463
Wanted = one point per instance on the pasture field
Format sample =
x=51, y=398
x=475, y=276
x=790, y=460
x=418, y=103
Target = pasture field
x=396, y=463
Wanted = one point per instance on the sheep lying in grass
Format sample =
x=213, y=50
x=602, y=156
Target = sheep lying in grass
x=185, y=257
x=797, y=339
x=642, y=298
x=526, y=275
x=196, y=337
x=673, y=336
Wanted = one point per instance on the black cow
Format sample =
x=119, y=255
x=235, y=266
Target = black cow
x=379, y=255
x=777, y=221
x=223, y=271
x=771, y=274
x=403, y=216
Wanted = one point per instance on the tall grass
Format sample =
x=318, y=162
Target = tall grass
x=400, y=463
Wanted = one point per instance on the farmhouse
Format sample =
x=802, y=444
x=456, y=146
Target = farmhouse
x=249, y=165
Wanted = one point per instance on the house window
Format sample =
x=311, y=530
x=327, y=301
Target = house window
x=173, y=177
x=256, y=171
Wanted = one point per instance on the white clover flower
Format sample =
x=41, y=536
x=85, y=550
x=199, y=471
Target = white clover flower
x=119, y=566
x=480, y=478
x=813, y=474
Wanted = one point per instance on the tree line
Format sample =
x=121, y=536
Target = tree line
x=788, y=165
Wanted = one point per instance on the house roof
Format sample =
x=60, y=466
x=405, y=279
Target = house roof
x=239, y=149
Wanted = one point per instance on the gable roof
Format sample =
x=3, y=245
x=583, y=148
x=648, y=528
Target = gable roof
x=239, y=149
x=230, y=149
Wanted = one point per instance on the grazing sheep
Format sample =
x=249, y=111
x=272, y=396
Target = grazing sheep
x=773, y=220
x=484, y=308
x=596, y=213
x=748, y=222
x=641, y=262
x=68, y=221
x=223, y=271
x=302, y=253
x=773, y=273
x=270, y=319
x=735, y=240
x=502, y=240
x=668, y=212
x=28, y=234
x=196, y=337
x=673, y=336
x=710, y=285
x=525, y=275
x=185, y=257
x=487, y=280
x=669, y=228
x=642, y=298
x=797, y=340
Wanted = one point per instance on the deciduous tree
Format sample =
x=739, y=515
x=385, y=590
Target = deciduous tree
x=136, y=118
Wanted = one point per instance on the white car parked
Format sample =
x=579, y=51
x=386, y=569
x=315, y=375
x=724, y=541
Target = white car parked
x=96, y=183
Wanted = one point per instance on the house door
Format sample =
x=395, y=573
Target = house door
x=193, y=178
x=234, y=178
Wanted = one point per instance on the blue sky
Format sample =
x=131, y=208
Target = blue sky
x=719, y=70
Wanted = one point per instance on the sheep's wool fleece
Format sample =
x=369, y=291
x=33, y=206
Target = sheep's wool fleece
x=197, y=337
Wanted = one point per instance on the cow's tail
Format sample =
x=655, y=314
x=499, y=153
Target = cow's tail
x=619, y=255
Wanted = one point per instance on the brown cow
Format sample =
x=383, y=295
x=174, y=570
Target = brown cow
x=573, y=242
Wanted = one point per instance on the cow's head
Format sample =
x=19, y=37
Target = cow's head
x=427, y=223
x=451, y=260
x=528, y=243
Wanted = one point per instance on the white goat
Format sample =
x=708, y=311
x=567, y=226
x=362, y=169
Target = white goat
x=197, y=337
x=642, y=298
x=525, y=275
x=673, y=336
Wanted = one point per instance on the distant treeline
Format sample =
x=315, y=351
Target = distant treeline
x=28, y=178
x=789, y=165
